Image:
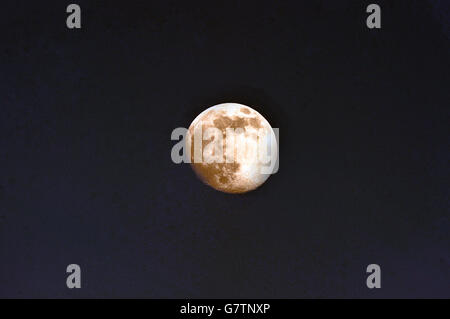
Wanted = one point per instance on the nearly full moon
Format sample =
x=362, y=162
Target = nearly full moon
x=226, y=142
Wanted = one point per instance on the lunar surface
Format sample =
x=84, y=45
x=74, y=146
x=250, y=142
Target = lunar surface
x=227, y=144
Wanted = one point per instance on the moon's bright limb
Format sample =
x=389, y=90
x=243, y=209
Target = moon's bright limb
x=237, y=167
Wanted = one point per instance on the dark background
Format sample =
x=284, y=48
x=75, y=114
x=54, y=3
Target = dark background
x=85, y=169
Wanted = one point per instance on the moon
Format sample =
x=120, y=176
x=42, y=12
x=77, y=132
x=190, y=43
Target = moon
x=225, y=142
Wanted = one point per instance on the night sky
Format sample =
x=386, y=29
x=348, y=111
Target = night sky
x=86, y=175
